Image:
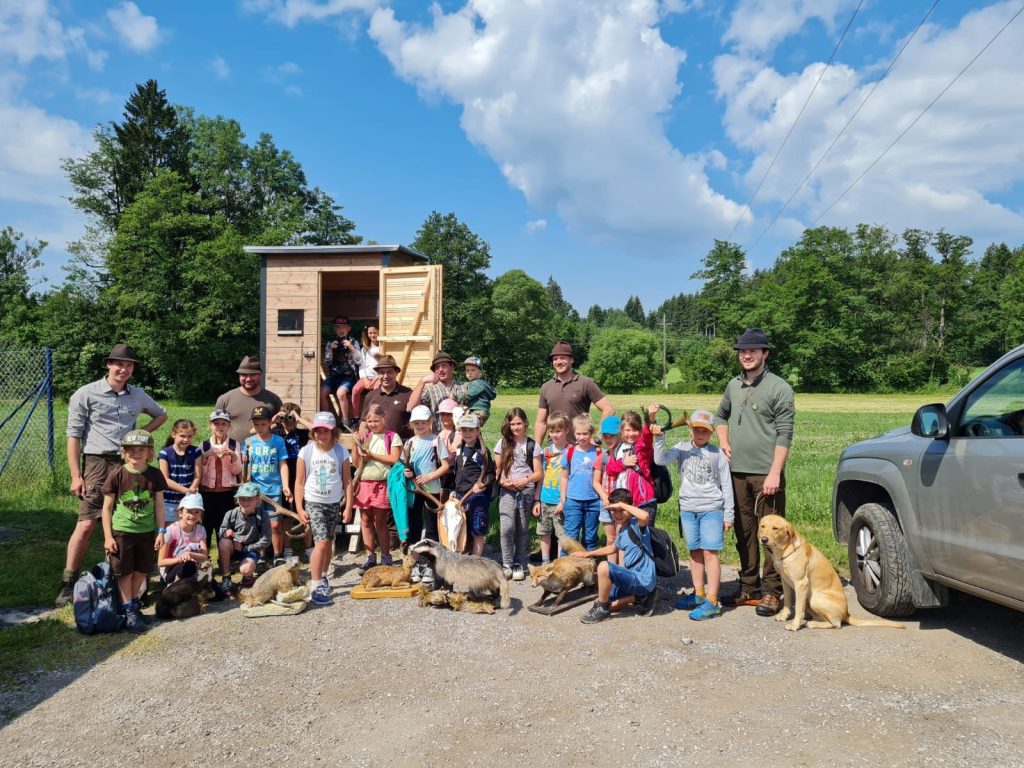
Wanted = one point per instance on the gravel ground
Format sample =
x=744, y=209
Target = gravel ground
x=375, y=682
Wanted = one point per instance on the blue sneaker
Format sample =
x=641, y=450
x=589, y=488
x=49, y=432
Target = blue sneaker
x=371, y=561
x=320, y=597
x=706, y=610
x=326, y=586
x=689, y=602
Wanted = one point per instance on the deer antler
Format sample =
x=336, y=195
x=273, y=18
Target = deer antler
x=427, y=494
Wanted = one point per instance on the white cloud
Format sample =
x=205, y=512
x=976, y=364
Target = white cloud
x=569, y=99
x=757, y=26
x=220, y=68
x=30, y=30
x=292, y=12
x=948, y=171
x=138, y=31
x=94, y=95
x=537, y=225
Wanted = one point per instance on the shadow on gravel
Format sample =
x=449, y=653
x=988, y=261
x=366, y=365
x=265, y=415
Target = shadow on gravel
x=994, y=626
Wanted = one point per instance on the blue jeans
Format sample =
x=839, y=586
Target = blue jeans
x=582, y=515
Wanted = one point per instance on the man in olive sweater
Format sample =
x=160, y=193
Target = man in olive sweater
x=754, y=423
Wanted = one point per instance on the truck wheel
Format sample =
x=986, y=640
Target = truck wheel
x=879, y=562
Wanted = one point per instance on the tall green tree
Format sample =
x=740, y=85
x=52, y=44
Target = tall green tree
x=467, y=290
x=635, y=310
x=522, y=330
x=624, y=359
x=722, y=297
x=18, y=258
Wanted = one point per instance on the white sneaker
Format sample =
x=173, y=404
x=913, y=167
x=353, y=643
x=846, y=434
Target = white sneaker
x=517, y=572
x=507, y=570
x=416, y=575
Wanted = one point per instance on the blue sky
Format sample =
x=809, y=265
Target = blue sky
x=604, y=143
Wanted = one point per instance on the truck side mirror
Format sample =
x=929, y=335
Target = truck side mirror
x=930, y=421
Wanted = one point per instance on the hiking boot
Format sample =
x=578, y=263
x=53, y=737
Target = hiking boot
x=507, y=570
x=517, y=572
x=706, y=610
x=321, y=597
x=648, y=604
x=598, y=612
x=769, y=606
x=743, y=597
x=689, y=602
x=134, y=623
x=66, y=594
x=371, y=561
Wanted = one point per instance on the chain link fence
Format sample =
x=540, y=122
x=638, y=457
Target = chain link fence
x=26, y=416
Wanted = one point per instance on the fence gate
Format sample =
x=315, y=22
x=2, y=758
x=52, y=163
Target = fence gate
x=26, y=414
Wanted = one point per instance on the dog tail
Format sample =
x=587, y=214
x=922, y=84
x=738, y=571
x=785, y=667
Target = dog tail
x=566, y=542
x=853, y=621
x=506, y=601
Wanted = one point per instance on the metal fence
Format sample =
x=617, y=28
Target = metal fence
x=26, y=414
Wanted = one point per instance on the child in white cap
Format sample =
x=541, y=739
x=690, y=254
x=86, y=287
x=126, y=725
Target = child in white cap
x=185, y=542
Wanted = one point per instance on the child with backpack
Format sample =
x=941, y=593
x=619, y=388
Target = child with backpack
x=518, y=470
x=706, y=508
x=635, y=581
x=177, y=461
x=611, y=429
x=426, y=461
x=376, y=453
x=474, y=474
x=133, y=521
x=630, y=464
x=545, y=509
x=581, y=491
x=185, y=543
x=243, y=537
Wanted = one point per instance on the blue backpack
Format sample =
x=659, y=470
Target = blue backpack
x=97, y=601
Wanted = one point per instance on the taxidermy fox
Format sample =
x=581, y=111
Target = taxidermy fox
x=565, y=573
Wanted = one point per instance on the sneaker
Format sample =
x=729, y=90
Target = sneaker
x=320, y=597
x=326, y=586
x=279, y=561
x=648, y=604
x=66, y=594
x=371, y=561
x=133, y=622
x=416, y=576
x=598, y=612
x=689, y=602
x=228, y=586
x=517, y=572
x=706, y=610
x=427, y=576
x=507, y=570
x=146, y=620
x=386, y=560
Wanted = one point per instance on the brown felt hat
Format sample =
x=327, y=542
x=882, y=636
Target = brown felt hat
x=250, y=364
x=440, y=357
x=562, y=348
x=387, y=361
x=122, y=352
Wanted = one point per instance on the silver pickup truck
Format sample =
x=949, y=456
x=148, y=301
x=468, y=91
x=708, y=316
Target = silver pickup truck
x=939, y=505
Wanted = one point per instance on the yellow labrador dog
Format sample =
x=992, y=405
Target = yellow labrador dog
x=810, y=583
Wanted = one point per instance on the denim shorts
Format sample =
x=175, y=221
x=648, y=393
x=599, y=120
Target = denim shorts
x=704, y=530
x=477, y=508
x=626, y=582
x=333, y=383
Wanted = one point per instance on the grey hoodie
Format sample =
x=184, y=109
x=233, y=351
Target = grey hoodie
x=253, y=532
x=705, y=483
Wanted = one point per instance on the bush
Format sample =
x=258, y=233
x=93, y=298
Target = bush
x=624, y=360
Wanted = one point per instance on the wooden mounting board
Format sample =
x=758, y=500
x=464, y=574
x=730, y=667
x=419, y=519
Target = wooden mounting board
x=361, y=593
x=577, y=597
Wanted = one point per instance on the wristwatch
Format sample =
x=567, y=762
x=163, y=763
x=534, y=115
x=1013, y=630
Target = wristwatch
x=161, y=530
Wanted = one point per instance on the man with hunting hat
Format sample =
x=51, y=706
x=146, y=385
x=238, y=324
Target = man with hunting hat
x=239, y=402
x=567, y=391
x=437, y=386
x=100, y=414
x=754, y=423
x=393, y=397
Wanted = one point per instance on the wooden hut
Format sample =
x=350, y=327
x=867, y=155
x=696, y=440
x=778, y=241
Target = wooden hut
x=303, y=287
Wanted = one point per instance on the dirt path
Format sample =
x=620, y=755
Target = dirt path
x=384, y=682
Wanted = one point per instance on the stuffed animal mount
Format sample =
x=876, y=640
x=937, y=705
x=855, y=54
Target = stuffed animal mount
x=187, y=596
x=562, y=576
x=387, y=580
x=476, y=576
x=275, y=584
x=453, y=528
x=457, y=601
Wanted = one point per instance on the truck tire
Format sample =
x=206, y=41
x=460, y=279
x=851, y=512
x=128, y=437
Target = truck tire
x=879, y=562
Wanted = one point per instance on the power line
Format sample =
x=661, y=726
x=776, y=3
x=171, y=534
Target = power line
x=922, y=114
x=797, y=120
x=846, y=125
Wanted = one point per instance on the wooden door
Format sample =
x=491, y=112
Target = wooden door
x=410, y=322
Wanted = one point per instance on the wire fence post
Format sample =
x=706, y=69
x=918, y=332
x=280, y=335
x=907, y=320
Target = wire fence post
x=48, y=357
x=27, y=451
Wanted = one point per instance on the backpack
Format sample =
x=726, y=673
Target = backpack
x=97, y=601
x=662, y=483
x=663, y=551
x=531, y=446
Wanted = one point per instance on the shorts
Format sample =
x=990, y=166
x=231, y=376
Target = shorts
x=135, y=553
x=244, y=554
x=704, y=530
x=323, y=519
x=269, y=509
x=95, y=469
x=604, y=516
x=171, y=511
x=373, y=494
x=626, y=582
x=546, y=521
x=334, y=383
x=477, y=513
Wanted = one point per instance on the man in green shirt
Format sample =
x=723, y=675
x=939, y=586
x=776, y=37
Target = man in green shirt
x=754, y=423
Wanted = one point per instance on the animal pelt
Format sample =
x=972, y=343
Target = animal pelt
x=565, y=573
x=457, y=601
x=477, y=576
x=281, y=578
x=187, y=596
x=390, y=576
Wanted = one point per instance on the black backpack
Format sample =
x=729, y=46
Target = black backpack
x=662, y=483
x=663, y=550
